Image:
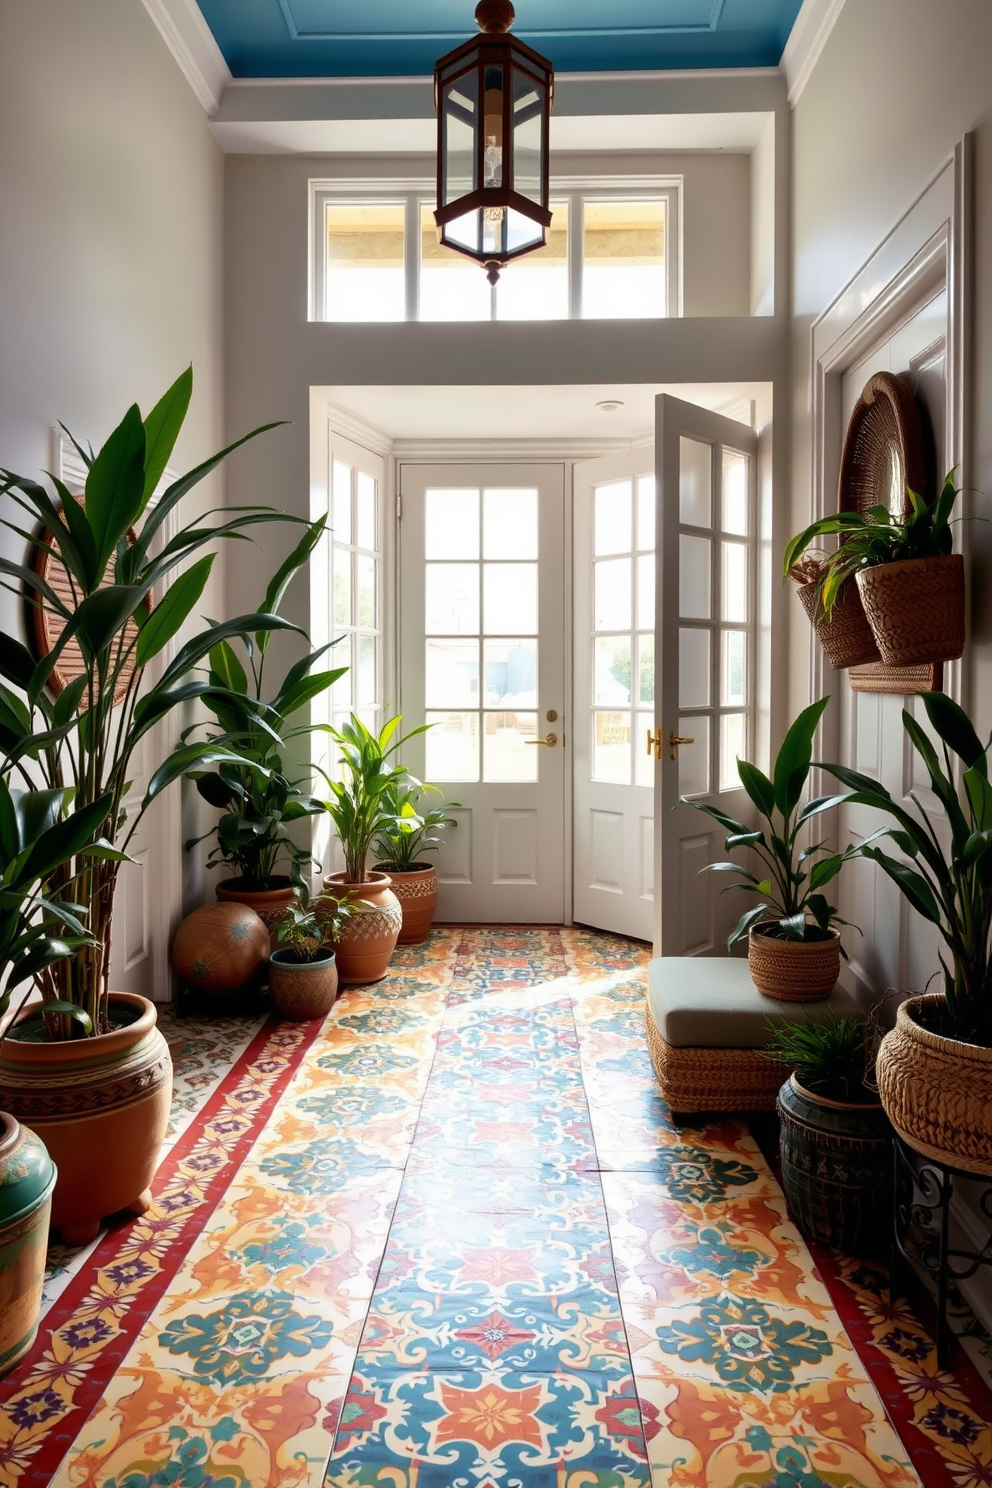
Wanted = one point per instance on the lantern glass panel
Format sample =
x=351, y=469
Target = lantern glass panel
x=528, y=136
x=461, y=117
x=492, y=123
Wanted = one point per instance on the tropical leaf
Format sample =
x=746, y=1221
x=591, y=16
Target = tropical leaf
x=162, y=428
x=167, y=617
x=115, y=486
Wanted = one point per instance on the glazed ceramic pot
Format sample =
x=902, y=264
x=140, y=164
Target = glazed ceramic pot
x=369, y=938
x=836, y=1169
x=301, y=990
x=793, y=970
x=937, y=1091
x=217, y=948
x=269, y=904
x=101, y=1107
x=27, y=1177
x=416, y=890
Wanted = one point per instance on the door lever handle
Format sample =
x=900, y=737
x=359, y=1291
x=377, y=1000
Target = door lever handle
x=549, y=740
x=674, y=740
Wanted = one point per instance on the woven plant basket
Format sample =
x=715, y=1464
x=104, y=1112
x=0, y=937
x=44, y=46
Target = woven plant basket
x=846, y=638
x=793, y=970
x=883, y=447
x=916, y=609
x=694, y=1079
x=937, y=1092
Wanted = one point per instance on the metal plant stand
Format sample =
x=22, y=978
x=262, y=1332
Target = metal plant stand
x=923, y=1189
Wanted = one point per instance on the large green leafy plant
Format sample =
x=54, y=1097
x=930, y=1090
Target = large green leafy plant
x=948, y=882
x=111, y=554
x=361, y=803
x=411, y=825
x=259, y=800
x=790, y=887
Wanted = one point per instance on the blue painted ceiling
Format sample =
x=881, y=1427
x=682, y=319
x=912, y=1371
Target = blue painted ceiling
x=397, y=38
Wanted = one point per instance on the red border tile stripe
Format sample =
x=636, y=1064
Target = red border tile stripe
x=89, y=1330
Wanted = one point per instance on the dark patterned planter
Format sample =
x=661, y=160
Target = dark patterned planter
x=836, y=1169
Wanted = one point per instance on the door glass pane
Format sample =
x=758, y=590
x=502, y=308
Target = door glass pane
x=645, y=592
x=510, y=673
x=451, y=524
x=510, y=598
x=510, y=524
x=734, y=492
x=643, y=761
x=645, y=669
x=506, y=754
x=694, y=668
x=694, y=577
x=733, y=732
x=365, y=278
x=342, y=587
x=451, y=599
x=365, y=536
x=611, y=671
x=623, y=268
x=646, y=497
x=694, y=758
x=733, y=669
x=611, y=748
x=734, y=581
x=365, y=595
x=612, y=607
x=452, y=674
x=341, y=501
x=612, y=525
x=367, y=682
x=695, y=483
x=452, y=746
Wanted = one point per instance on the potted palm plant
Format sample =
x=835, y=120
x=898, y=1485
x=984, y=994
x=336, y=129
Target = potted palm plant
x=360, y=806
x=793, y=945
x=102, y=1075
x=935, y=1067
x=258, y=799
x=303, y=977
x=909, y=581
x=410, y=830
x=835, y=1141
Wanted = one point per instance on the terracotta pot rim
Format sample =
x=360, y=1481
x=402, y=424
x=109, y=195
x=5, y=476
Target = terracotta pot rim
x=418, y=870
x=958, y=1048
x=760, y=930
x=320, y=962
x=834, y=1105
x=234, y=886
x=338, y=881
x=130, y=1033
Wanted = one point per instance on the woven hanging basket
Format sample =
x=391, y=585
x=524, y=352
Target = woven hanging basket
x=916, y=609
x=937, y=1092
x=884, y=451
x=846, y=638
x=793, y=970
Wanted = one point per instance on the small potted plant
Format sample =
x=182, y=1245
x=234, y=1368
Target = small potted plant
x=793, y=946
x=408, y=831
x=910, y=582
x=303, y=977
x=835, y=1140
x=935, y=1067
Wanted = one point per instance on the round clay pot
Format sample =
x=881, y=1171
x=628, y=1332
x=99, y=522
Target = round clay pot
x=217, y=948
x=916, y=609
x=836, y=1168
x=101, y=1107
x=27, y=1177
x=301, y=990
x=269, y=904
x=369, y=938
x=937, y=1091
x=793, y=970
x=416, y=890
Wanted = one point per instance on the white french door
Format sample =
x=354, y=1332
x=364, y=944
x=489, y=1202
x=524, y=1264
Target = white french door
x=705, y=705
x=481, y=644
x=614, y=692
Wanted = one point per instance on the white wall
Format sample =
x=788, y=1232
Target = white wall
x=111, y=220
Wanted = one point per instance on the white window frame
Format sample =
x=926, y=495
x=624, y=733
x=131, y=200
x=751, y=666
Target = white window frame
x=414, y=193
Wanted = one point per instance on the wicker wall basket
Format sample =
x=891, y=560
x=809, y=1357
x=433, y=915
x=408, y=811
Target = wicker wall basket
x=793, y=970
x=846, y=638
x=916, y=609
x=937, y=1092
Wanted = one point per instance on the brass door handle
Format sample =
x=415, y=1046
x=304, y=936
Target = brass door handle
x=654, y=743
x=549, y=740
x=674, y=740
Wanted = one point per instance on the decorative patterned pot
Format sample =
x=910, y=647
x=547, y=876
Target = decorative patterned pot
x=218, y=947
x=301, y=990
x=836, y=1169
x=937, y=1091
x=101, y=1107
x=916, y=608
x=269, y=904
x=416, y=890
x=369, y=938
x=793, y=970
x=27, y=1177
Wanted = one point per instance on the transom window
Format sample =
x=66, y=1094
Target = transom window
x=611, y=254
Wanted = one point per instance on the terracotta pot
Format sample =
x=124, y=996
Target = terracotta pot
x=369, y=938
x=269, y=904
x=301, y=990
x=217, y=948
x=916, y=609
x=937, y=1091
x=846, y=638
x=101, y=1107
x=793, y=970
x=836, y=1168
x=27, y=1177
x=416, y=890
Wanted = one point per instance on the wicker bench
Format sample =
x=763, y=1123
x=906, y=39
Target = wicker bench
x=706, y=1022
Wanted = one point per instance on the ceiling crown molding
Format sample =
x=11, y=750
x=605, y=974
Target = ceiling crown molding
x=191, y=42
x=807, y=39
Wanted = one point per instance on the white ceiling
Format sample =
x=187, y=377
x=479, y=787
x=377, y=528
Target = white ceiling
x=528, y=412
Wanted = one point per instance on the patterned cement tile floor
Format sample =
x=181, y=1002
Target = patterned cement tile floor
x=451, y=1239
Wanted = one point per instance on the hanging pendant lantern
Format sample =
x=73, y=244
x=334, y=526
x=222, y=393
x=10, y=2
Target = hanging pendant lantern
x=493, y=98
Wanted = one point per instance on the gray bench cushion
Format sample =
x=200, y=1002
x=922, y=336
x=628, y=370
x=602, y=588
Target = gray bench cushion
x=710, y=1002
